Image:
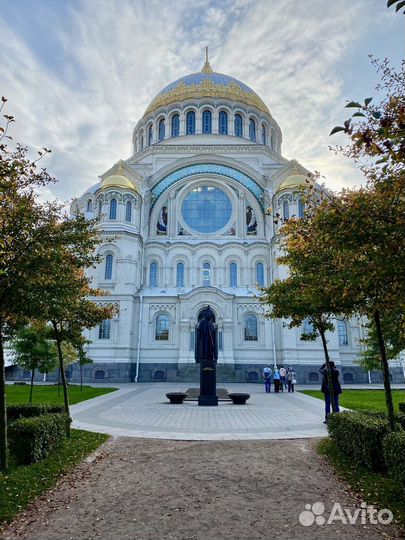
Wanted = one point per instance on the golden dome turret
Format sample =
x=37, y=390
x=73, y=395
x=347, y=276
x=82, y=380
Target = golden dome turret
x=118, y=180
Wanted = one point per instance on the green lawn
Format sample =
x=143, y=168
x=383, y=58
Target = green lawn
x=24, y=483
x=49, y=394
x=373, y=400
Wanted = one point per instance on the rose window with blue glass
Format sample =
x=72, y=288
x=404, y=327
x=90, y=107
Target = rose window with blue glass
x=206, y=209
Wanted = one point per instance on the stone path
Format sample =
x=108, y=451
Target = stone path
x=143, y=411
x=194, y=490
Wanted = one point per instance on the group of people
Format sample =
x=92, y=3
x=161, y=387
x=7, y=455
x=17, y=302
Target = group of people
x=285, y=378
x=282, y=379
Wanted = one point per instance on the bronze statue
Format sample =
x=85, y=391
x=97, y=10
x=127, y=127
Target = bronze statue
x=206, y=343
x=206, y=354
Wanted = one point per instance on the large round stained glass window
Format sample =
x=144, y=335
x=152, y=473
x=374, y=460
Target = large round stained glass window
x=206, y=209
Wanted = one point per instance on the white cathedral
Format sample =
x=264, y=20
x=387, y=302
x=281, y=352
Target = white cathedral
x=184, y=225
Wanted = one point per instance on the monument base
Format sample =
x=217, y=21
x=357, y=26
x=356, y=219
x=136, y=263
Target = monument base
x=208, y=401
x=208, y=384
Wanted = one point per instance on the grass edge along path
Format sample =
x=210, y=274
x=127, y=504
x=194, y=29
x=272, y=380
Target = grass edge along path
x=49, y=393
x=374, y=488
x=364, y=399
x=23, y=484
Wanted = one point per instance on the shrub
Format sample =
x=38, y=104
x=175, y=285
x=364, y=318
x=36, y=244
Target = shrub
x=401, y=407
x=28, y=410
x=32, y=439
x=360, y=436
x=394, y=452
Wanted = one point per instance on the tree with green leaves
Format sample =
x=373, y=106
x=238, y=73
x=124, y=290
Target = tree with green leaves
x=309, y=292
x=64, y=301
x=27, y=234
x=33, y=350
x=43, y=258
x=393, y=330
x=399, y=4
x=367, y=226
x=83, y=358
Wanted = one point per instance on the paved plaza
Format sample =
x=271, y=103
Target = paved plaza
x=142, y=410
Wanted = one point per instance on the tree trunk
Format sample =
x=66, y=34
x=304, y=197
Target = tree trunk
x=58, y=382
x=62, y=371
x=328, y=370
x=3, y=407
x=386, y=372
x=81, y=377
x=32, y=383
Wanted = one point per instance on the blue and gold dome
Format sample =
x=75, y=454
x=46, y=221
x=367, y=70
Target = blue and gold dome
x=207, y=83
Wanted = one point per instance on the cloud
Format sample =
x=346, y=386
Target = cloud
x=80, y=76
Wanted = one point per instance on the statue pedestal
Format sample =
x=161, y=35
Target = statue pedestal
x=208, y=384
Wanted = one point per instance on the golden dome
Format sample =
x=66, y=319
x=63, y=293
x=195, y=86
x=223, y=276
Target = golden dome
x=117, y=181
x=294, y=181
x=207, y=83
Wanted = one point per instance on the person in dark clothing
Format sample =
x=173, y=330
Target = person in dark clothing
x=337, y=389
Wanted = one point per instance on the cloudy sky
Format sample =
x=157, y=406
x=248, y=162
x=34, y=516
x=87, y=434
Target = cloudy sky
x=78, y=74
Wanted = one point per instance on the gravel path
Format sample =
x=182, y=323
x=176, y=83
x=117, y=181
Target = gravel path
x=189, y=490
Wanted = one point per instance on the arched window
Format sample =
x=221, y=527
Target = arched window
x=162, y=328
x=162, y=129
x=342, y=333
x=113, y=209
x=128, y=211
x=260, y=274
x=180, y=275
x=250, y=327
x=175, y=125
x=108, y=267
x=301, y=207
x=286, y=210
x=104, y=330
x=190, y=123
x=272, y=139
x=89, y=205
x=150, y=135
x=153, y=274
x=233, y=275
x=238, y=125
x=252, y=130
x=307, y=326
x=141, y=142
x=100, y=208
x=207, y=122
x=223, y=123
x=206, y=274
x=264, y=134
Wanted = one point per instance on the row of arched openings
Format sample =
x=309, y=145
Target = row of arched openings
x=112, y=210
x=162, y=327
x=207, y=126
x=206, y=274
x=286, y=209
x=343, y=335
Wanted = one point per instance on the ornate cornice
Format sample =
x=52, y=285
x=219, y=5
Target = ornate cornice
x=249, y=148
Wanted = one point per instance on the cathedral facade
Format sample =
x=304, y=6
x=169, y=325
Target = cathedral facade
x=185, y=224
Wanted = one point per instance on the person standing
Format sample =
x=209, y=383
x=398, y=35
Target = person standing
x=267, y=373
x=337, y=389
x=276, y=378
x=291, y=380
x=283, y=373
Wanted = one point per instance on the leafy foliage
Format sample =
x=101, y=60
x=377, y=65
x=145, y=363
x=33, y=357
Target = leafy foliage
x=32, y=439
x=360, y=436
x=28, y=410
